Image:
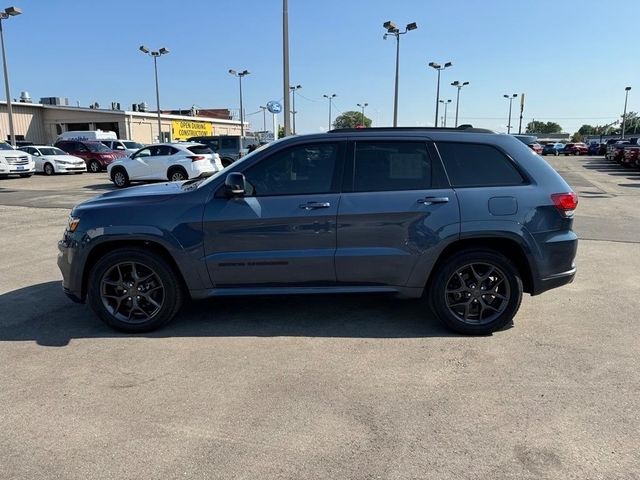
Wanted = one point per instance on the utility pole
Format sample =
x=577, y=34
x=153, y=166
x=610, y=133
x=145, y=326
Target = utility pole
x=521, y=110
x=285, y=66
x=624, y=115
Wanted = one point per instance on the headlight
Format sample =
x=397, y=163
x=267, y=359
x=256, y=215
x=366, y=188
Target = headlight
x=73, y=224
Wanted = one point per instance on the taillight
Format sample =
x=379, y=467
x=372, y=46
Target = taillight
x=195, y=158
x=566, y=203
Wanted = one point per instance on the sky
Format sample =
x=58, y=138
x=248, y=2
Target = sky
x=571, y=58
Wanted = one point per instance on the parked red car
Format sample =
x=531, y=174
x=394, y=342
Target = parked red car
x=615, y=151
x=95, y=154
x=536, y=147
x=576, y=149
x=631, y=156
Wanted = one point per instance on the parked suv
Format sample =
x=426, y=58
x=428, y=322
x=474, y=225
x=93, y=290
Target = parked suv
x=15, y=162
x=126, y=146
x=468, y=220
x=94, y=153
x=229, y=147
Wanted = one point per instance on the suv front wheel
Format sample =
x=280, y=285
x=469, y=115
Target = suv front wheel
x=476, y=292
x=133, y=290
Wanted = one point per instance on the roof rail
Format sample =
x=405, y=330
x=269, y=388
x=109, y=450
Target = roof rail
x=461, y=128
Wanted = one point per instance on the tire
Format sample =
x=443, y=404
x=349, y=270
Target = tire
x=94, y=166
x=48, y=169
x=455, y=304
x=120, y=178
x=26, y=175
x=177, y=174
x=112, y=288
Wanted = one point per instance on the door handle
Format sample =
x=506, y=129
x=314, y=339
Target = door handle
x=432, y=200
x=314, y=205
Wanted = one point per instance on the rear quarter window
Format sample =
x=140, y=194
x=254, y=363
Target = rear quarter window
x=199, y=149
x=478, y=165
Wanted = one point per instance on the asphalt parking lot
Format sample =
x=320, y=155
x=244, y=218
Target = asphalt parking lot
x=314, y=387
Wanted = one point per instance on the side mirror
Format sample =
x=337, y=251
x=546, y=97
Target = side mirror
x=235, y=184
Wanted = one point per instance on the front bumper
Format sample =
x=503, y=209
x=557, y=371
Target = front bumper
x=70, y=168
x=71, y=276
x=17, y=169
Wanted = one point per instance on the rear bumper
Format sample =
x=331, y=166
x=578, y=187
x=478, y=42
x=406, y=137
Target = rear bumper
x=554, y=281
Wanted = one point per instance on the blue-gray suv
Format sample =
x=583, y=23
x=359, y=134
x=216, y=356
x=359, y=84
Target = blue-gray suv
x=468, y=220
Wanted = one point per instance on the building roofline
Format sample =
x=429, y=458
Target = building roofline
x=124, y=112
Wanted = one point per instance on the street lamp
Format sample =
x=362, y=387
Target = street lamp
x=241, y=74
x=155, y=55
x=285, y=69
x=459, y=86
x=330, y=98
x=510, y=98
x=624, y=115
x=439, y=68
x=362, y=105
x=392, y=29
x=293, y=106
x=8, y=12
x=446, y=104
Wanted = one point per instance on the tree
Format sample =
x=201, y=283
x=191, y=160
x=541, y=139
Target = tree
x=281, y=131
x=543, y=127
x=351, y=119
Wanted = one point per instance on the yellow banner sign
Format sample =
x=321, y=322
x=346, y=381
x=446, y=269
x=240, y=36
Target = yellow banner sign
x=183, y=129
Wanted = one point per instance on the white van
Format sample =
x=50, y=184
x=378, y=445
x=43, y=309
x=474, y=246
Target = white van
x=87, y=135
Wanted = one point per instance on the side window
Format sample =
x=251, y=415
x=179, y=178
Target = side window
x=383, y=166
x=299, y=170
x=78, y=147
x=145, y=152
x=229, y=143
x=477, y=165
x=162, y=150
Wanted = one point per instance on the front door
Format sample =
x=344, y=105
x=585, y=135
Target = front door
x=396, y=206
x=283, y=231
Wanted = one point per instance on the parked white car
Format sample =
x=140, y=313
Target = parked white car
x=15, y=162
x=50, y=160
x=164, y=161
x=127, y=146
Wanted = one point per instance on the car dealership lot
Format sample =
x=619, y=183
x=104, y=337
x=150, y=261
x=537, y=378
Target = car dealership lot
x=317, y=387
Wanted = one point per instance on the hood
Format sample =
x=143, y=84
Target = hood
x=132, y=196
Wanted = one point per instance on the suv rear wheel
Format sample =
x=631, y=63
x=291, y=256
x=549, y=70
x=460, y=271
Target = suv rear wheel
x=177, y=174
x=134, y=291
x=476, y=292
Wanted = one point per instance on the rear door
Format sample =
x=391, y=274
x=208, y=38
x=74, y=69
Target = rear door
x=396, y=207
x=283, y=232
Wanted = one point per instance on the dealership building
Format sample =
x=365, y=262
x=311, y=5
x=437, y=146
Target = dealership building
x=41, y=123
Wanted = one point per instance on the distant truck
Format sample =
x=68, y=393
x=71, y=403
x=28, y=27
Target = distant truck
x=87, y=135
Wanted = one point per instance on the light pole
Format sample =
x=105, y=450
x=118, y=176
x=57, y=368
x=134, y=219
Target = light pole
x=510, y=98
x=624, y=115
x=439, y=68
x=285, y=68
x=362, y=106
x=330, y=98
x=264, y=118
x=293, y=111
x=446, y=104
x=155, y=55
x=392, y=29
x=459, y=86
x=8, y=12
x=241, y=74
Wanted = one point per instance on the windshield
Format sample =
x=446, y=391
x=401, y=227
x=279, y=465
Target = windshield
x=52, y=151
x=5, y=146
x=97, y=147
x=130, y=144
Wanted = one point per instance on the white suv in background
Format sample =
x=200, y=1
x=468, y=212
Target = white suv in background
x=15, y=162
x=126, y=146
x=164, y=161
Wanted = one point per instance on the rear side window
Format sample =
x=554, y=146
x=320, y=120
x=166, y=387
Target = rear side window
x=199, y=149
x=385, y=166
x=477, y=165
x=228, y=143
